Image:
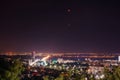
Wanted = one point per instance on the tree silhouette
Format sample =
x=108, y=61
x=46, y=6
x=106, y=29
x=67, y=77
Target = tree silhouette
x=10, y=70
x=116, y=73
x=112, y=74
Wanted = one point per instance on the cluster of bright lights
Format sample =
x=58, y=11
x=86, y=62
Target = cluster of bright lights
x=31, y=63
x=65, y=61
x=43, y=59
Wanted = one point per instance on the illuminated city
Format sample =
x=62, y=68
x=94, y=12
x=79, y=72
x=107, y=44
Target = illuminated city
x=64, y=66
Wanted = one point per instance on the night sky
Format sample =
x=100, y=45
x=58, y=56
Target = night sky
x=60, y=26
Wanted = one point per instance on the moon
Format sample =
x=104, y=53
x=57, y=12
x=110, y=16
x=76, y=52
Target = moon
x=68, y=10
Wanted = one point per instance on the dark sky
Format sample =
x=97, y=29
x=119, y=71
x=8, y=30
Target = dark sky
x=60, y=25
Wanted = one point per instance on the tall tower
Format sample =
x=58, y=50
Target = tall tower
x=33, y=55
x=118, y=58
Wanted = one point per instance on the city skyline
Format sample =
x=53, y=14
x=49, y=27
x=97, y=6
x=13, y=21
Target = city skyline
x=60, y=26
